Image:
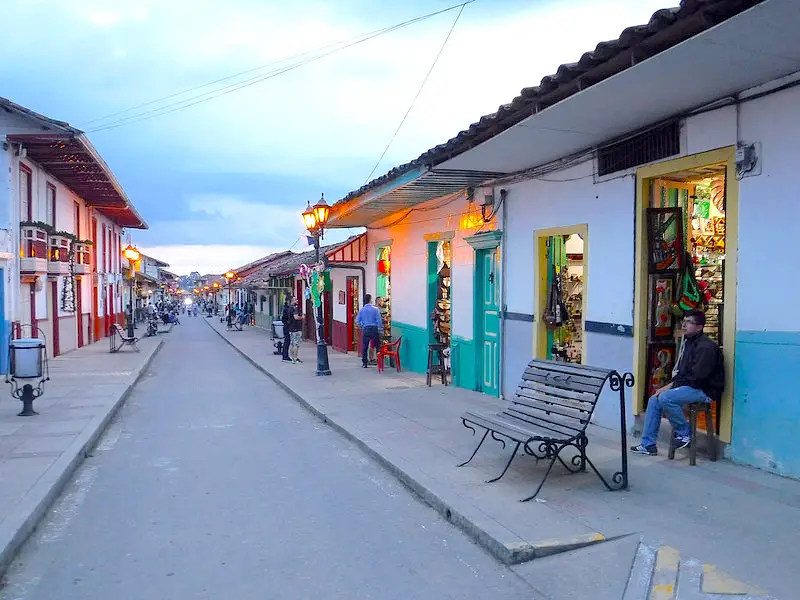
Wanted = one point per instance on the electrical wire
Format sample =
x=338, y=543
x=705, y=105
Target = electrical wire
x=419, y=91
x=216, y=93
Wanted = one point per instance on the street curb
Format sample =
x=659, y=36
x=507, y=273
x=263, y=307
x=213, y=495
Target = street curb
x=28, y=513
x=508, y=553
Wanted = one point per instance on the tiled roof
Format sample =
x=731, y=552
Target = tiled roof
x=666, y=28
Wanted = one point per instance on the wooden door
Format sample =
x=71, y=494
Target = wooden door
x=488, y=322
x=54, y=320
x=79, y=309
x=353, y=305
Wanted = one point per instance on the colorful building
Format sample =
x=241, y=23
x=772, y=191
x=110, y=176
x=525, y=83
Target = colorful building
x=656, y=172
x=62, y=216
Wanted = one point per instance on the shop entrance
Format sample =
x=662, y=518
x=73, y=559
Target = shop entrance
x=353, y=306
x=440, y=257
x=383, y=289
x=560, y=293
x=683, y=243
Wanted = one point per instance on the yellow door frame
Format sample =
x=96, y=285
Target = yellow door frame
x=540, y=292
x=644, y=179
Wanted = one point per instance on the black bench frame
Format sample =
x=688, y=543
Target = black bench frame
x=550, y=412
x=117, y=330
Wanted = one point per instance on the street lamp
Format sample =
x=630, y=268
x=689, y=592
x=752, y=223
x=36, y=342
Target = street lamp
x=315, y=218
x=216, y=287
x=230, y=276
x=132, y=254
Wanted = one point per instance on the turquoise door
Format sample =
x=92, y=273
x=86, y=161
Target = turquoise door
x=487, y=326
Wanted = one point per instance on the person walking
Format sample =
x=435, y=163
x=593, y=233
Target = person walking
x=295, y=335
x=370, y=322
x=698, y=376
x=287, y=317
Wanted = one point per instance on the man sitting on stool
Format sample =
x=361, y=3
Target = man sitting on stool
x=369, y=320
x=698, y=376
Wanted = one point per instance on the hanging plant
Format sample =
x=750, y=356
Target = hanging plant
x=68, y=291
x=39, y=225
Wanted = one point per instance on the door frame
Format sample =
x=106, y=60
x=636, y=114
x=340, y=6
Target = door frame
x=352, y=287
x=540, y=237
x=644, y=178
x=55, y=319
x=478, y=318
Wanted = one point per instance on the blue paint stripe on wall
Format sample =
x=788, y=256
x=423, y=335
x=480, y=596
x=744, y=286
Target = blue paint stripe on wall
x=766, y=408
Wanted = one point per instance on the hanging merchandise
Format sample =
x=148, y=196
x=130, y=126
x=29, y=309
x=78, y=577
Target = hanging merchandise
x=690, y=295
x=556, y=313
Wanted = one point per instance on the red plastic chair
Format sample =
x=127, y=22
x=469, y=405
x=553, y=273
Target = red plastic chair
x=391, y=350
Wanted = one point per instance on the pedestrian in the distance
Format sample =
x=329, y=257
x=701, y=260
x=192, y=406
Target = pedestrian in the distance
x=296, y=333
x=369, y=320
x=287, y=316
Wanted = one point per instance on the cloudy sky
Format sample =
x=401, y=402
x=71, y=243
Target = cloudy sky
x=223, y=181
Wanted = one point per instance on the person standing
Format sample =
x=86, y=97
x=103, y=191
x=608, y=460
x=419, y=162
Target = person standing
x=698, y=376
x=370, y=322
x=295, y=335
x=287, y=317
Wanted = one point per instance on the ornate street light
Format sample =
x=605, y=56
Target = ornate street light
x=315, y=220
x=230, y=276
x=133, y=255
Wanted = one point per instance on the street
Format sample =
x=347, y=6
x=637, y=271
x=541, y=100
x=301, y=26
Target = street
x=213, y=483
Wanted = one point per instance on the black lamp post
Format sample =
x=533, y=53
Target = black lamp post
x=315, y=218
x=216, y=291
x=132, y=254
x=230, y=276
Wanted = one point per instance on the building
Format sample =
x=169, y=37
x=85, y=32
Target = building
x=632, y=196
x=62, y=216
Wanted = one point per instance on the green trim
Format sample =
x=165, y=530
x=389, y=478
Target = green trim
x=414, y=347
x=485, y=240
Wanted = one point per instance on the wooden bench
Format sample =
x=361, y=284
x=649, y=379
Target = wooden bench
x=117, y=330
x=549, y=412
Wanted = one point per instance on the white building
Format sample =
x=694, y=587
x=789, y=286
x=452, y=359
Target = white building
x=62, y=215
x=696, y=115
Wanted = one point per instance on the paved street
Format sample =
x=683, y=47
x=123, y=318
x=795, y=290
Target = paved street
x=213, y=483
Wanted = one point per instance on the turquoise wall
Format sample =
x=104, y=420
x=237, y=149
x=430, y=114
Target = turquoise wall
x=463, y=362
x=766, y=406
x=414, y=354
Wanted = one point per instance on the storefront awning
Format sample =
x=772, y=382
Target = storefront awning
x=407, y=190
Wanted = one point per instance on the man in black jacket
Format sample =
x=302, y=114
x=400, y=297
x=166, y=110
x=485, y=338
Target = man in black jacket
x=698, y=376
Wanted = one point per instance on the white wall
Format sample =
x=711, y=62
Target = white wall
x=339, y=283
x=409, y=262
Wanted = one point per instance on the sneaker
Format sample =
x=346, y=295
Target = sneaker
x=679, y=443
x=287, y=360
x=363, y=365
x=298, y=360
x=648, y=450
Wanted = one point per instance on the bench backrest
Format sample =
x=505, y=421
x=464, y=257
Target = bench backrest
x=120, y=331
x=559, y=397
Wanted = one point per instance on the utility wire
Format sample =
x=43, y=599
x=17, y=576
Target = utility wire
x=419, y=91
x=206, y=96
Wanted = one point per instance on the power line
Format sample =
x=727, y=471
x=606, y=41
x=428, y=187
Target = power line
x=206, y=96
x=419, y=91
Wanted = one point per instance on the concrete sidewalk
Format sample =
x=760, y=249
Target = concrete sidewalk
x=676, y=533
x=39, y=454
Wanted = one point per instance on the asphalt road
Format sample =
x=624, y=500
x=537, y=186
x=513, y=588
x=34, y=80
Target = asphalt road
x=213, y=483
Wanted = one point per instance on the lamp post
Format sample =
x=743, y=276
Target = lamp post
x=230, y=276
x=315, y=218
x=216, y=286
x=132, y=254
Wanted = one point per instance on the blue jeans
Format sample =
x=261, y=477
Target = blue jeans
x=369, y=334
x=670, y=403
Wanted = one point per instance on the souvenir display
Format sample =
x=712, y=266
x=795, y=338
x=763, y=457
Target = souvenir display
x=665, y=239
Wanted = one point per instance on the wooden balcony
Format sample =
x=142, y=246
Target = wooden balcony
x=58, y=256
x=33, y=249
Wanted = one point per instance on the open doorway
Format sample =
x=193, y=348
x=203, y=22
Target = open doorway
x=560, y=293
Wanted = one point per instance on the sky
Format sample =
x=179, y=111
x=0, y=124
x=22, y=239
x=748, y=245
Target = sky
x=223, y=182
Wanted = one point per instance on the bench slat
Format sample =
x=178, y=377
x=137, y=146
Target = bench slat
x=517, y=429
x=533, y=395
x=563, y=426
x=573, y=368
x=560, y=378
x=588, y=397
x=564, y=411
x=572, y=385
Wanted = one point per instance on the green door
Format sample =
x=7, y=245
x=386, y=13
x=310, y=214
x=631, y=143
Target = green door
x=487, y=328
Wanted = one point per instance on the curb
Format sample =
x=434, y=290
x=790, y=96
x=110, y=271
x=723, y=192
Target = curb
x=508, y=553
x=25, y=517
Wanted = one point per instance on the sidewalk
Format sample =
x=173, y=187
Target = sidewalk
x=39, y=454
x=674, y=534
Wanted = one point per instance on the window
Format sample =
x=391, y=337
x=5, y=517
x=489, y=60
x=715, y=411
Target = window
x=662, y=142
x=51, y=205
x=105, y=250
x=25, y=193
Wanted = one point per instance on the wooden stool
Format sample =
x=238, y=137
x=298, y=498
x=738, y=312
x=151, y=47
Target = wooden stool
x=693, y=409
x=438, y=350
